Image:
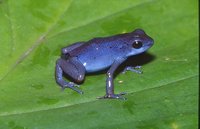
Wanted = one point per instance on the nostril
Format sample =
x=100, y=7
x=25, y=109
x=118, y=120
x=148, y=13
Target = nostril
x=151, y=42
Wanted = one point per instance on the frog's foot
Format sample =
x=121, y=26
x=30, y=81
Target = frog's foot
x=114, y=96
x=72, y=86
x=135, y=69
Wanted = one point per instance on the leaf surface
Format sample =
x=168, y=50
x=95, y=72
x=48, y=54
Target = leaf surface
x=33, y=32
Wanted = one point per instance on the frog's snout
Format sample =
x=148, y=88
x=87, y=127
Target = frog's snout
x=151, y=42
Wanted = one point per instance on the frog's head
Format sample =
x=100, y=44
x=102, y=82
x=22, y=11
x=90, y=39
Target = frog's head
x=140, y=42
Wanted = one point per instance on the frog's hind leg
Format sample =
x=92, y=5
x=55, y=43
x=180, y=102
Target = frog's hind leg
x=67, y=49
x=73, y=68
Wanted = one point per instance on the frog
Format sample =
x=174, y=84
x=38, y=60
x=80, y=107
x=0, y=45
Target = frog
x=101, y=53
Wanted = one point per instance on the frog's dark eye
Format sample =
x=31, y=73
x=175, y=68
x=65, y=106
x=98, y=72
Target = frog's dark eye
x=137, y=44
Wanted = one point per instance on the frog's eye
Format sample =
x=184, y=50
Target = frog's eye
x=137, y=44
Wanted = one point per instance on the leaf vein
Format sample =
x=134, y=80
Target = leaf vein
x=101, y=18
x=64, y=106
x=34, y=46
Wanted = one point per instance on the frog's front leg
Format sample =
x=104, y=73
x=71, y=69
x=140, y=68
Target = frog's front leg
x=109, y=82
x=71, y=67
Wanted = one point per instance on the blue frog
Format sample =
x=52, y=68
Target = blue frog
x=98, y=54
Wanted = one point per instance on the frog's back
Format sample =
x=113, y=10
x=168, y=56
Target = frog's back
x=99, y=53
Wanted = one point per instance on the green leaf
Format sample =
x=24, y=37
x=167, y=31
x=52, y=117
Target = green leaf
x=32, y=33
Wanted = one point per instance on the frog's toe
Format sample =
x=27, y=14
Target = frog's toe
x=72, y=86
x=122, y=93
x=114, y=96
x=138, y=67
x=119, y=96
x=135, y=69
